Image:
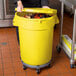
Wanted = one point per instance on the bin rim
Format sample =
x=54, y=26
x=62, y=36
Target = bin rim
x=18, y=20
x=19, y=17
x=39, y=10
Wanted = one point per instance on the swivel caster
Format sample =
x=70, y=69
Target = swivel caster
x=38, y=71
x=24, y=67
x=55, y=26
x=58, y=49
x=49, y=65
x=71, y=15
x=71, y=65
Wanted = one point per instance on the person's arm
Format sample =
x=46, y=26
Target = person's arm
x=44, y=4
x=19, y=6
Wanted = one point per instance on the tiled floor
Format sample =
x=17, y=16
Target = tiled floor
x=10, y=64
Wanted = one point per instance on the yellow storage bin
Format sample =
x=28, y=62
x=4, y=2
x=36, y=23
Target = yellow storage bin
x=36, y=36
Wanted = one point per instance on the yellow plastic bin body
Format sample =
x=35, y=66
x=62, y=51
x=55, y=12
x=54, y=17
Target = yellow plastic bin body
x=36, y=38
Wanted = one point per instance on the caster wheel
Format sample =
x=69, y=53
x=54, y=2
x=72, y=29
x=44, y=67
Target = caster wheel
x=24, y=67
x=71, y=65
x=49, y=65
x=58, y=49
x=55, y=27
x=71, y=15
x=38, y=71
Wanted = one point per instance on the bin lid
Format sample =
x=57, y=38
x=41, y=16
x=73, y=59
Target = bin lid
x=39, y=10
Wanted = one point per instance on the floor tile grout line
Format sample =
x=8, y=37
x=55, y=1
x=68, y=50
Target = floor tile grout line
x=47, y=69
x=19, y=52
x=20, y=59
x=11, y=57
x=62, y=73
x=68, y=69
x=12, y=60
x=2, y=63
x=26, y=73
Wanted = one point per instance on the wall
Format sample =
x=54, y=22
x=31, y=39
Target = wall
x=1, y=9
x=56, y=5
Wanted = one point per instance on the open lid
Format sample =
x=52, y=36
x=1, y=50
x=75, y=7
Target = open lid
x=39, y=10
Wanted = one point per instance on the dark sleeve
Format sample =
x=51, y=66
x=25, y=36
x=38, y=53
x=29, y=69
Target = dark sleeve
x=15, y=1
x=44, y=2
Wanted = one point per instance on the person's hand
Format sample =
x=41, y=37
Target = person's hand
x=20, y=6
x=45, y=7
